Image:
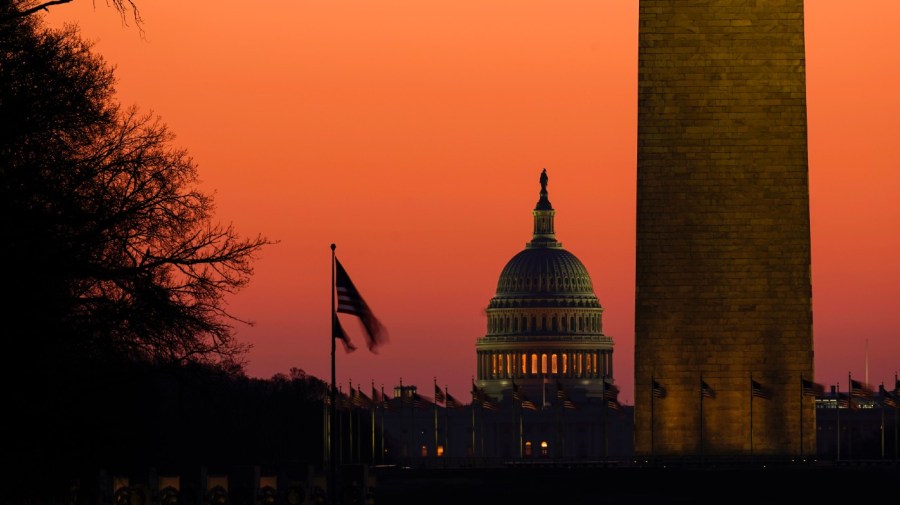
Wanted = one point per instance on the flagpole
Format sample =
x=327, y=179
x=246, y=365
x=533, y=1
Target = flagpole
x=350, y=424
x=801, y=417
x=603, y=414
x=837, y=412
x=751, y=415
x=652, y=424
x=435, y=421
x=701, y=419
x=849, y=416
x=446, y=422
x=340, y=434
x=383, y=401
x=512, y=410
x=374, y=407
x=474, y=452
x=882, y=420
x=359, y=428
x=332, y=484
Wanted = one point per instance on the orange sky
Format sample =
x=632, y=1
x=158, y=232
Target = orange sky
x=412, y=135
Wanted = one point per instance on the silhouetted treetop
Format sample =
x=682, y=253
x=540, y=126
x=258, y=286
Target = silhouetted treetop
x=111, y=247
x=15, y=9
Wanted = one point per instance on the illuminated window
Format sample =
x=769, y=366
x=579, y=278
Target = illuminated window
x=594, y=360
x=493, y=365
x=424, y=451
x=543, y=363
x=534, y=364
x=545, y=448
x=565, y=363
x=553, y=363
x=528, y=449
x=524, y=364
x=509, y=365
x=440, y=451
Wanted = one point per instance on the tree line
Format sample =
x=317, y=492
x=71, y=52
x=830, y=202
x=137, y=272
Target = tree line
x=118, y=344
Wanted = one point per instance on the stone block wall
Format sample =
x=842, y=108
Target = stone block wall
x=723, y=286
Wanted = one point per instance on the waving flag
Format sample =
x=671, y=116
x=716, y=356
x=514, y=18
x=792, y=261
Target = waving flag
x=658, y=390
x=453, y=403
x=351, y=302
x=811, y=388
x=757, y=390
x=705, y=390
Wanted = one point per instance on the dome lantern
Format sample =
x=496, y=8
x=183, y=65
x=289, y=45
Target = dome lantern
x=544, y=233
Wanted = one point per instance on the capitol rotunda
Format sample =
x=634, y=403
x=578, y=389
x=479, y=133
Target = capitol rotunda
x=544, y=324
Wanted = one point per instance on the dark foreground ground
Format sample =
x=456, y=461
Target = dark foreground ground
x=825, y=484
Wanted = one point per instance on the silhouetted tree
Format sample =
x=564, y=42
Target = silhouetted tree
x=111, y=254
x=110, y=248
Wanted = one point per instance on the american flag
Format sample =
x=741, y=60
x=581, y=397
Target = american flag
x=337, y=331
x=563, y=396
x=610, y=390
x=385, y=401
x=705, y=390
x=859, y=389
x=453, y=403
x=516, y=395
x=351, y=302
x=438, y=395
x=811, y=388
x=845, y=402
x=421, y=401
x=889, y=400
x=377, y=398
x=361, y=400
x=560, y=391
x=477, y=393
x=757, y=390
x=658, y=390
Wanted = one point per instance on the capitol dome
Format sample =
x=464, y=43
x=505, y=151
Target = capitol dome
x=543, y=272
x=544, y=321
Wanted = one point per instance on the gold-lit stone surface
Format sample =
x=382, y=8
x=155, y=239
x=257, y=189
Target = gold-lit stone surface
x=723, y=244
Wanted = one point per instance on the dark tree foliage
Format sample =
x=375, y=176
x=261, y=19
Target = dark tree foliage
x=12, y=9
x=114, y=264
x=111, y=246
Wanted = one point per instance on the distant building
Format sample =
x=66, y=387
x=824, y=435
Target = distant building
x=544, y=387
x=544, y=324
